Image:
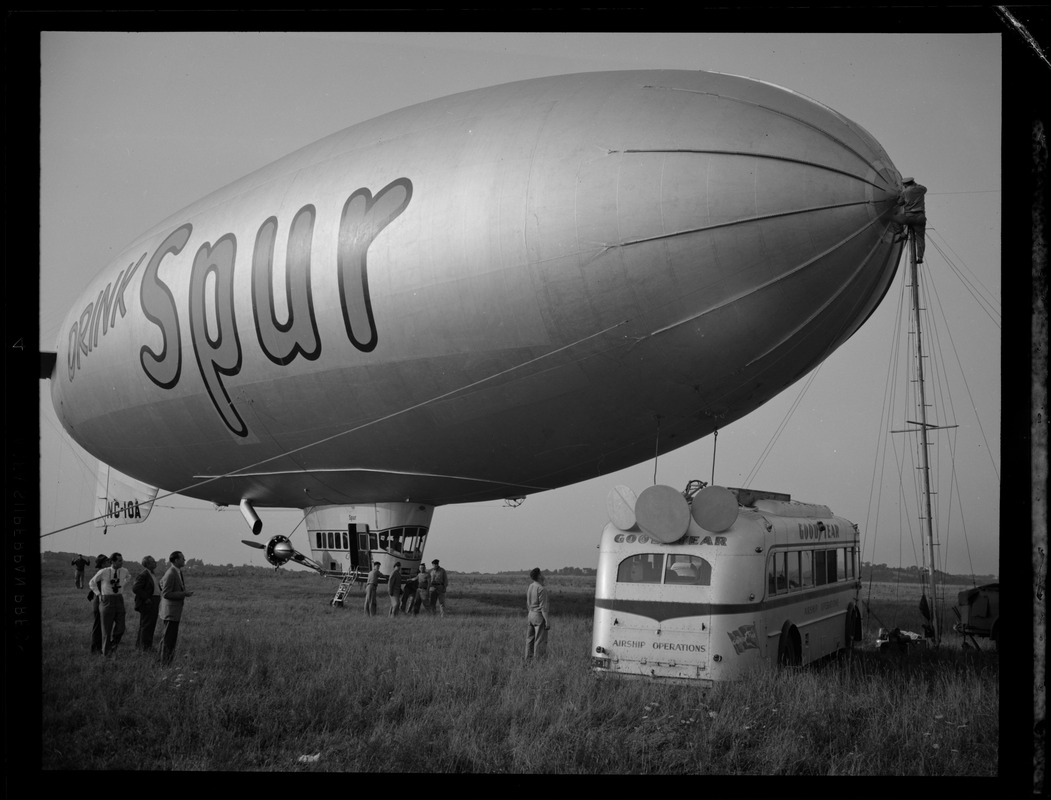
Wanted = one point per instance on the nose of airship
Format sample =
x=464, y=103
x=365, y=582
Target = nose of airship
x=748, y=228
x=752, y=211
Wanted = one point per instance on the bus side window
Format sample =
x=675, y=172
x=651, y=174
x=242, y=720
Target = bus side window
x=807, y=568
x=820, y=573
x=782, y=577
x=771, y=574
x=833, y=572
x=793, y=570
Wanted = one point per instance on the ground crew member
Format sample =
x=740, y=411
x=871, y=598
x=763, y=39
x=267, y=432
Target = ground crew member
x=439, y=583
x=78, y=564
x=536, y=603
x=913, y=214
x=394, y=590
x=423, y=585
x=370, y=589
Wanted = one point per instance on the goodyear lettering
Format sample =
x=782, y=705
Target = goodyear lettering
x=213, y=329
x=631, y=538
x=818, y=530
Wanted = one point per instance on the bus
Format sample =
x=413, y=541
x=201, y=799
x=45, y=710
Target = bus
x=777, y=584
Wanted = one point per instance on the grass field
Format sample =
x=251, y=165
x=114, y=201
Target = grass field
x=270, y=677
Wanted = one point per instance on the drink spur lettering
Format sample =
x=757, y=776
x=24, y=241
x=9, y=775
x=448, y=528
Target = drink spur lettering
x=218, y=353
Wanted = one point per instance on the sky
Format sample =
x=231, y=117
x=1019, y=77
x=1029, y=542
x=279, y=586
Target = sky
x=135, y=126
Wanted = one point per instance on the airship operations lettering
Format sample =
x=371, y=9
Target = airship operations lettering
x=212, y=320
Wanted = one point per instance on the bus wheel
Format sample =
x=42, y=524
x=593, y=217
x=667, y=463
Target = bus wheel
x=853, y=627
x=788, y=648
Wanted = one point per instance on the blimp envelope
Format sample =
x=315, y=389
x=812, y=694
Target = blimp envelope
x=485, y=295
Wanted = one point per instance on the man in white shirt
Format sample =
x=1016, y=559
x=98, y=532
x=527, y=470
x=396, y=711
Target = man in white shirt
x=109, y=584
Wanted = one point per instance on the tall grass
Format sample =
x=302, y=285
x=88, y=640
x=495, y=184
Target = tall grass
x=267, y=672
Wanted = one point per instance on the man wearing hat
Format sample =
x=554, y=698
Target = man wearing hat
x=913, y=213
x=438, y=584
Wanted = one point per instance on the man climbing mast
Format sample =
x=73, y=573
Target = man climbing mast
x=913, y=214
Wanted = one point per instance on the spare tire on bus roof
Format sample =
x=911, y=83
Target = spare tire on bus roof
x=620, y=506
x=715, y=508
x=663, y=513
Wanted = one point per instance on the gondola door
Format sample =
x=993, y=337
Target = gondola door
x=360, y=554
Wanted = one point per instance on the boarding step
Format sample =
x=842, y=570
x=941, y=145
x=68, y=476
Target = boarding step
x=348, y=580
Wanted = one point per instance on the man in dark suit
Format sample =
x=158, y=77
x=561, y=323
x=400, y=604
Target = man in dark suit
x=173, y=594
x=147, y=602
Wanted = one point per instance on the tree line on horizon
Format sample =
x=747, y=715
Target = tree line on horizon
x=881, y=573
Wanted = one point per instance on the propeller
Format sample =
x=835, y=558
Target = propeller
x=279, y=551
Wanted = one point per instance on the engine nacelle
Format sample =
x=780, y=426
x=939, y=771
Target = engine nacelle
x=279, y=551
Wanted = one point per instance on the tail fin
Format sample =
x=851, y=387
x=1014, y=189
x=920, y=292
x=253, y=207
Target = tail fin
x=120, y=499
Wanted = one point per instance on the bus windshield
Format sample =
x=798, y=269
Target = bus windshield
x=651, y=568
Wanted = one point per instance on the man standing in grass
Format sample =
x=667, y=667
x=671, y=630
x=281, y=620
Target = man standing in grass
x=423, y=585
x=93, y=596
x=394, y=590
x=371, y=583
x=78, y=565
x=439, y=583
x=536, y=603
x=147, y=602
x=173, y=594
x=109, y=584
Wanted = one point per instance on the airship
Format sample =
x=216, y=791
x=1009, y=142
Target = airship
x=482, y=296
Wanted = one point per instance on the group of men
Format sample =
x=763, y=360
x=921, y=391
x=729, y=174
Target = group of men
x=154, y=600
x=426, y=589
x=164, y=600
